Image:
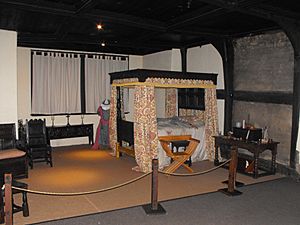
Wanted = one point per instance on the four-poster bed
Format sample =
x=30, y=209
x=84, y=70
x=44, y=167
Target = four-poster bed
x=141, y=136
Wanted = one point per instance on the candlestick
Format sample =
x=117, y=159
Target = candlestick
x=82, y=117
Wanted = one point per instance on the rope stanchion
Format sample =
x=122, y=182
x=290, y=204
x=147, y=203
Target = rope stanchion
x=154, y=207
x=83, y=192
x=197, y=173
x=8, y=207
x=2, y=214
x=232, y=174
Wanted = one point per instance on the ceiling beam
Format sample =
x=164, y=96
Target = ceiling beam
x=195, y=16
x=68, y=11
x=51, y=38
x=86, y=5
x=280, y=11
x=252, y=8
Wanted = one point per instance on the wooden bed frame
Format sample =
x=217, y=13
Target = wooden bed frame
x=125, y=129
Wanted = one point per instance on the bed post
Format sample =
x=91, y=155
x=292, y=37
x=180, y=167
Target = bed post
x=119, y=117
x=118, y=104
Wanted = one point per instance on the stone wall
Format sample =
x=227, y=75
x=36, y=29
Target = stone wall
x=265, y=63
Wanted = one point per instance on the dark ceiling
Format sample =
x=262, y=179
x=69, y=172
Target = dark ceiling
x=139, y=26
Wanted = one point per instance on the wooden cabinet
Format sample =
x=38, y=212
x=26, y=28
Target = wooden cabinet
x=71, y=131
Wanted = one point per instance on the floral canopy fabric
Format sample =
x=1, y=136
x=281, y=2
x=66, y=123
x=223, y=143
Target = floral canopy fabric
x=145, y=121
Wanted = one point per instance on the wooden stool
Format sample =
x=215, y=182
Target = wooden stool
x=181, y=144
x=179, y=158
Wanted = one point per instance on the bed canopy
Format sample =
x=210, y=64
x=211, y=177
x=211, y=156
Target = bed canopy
x=145, y=122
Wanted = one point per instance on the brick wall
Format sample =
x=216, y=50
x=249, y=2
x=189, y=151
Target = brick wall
x=265, y=63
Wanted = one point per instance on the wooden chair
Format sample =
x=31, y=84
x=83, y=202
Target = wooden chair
x=12, y=160
x=38, y=149
x=15, y=208
x=178, y=157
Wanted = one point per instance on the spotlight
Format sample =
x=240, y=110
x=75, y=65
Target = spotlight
x=99, y=26
x=102, y=43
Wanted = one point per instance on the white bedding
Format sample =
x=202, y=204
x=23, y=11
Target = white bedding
x=176, y=126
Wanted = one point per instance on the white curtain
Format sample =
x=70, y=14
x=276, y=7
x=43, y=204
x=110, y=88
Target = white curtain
x=97, y=79
x=55, y=83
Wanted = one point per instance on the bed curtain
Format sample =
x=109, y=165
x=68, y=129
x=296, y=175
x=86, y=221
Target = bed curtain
x=145, y=123
x=145, y=127
x=171, y=102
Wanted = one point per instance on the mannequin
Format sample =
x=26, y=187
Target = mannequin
x=102, y=136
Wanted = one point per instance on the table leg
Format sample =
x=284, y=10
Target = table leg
x=273, y=165
x=216, y=161
x=255, y=174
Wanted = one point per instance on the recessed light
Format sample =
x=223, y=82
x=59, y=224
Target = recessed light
x=99, y=26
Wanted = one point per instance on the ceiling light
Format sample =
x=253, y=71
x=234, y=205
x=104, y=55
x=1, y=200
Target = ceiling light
x=102, y=43
x=99, y=26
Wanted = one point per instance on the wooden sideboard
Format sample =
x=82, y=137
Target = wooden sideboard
x=253, y=147
x=71, y=131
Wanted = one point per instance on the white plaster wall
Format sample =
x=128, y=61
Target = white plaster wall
x=24, y=98
x=176, y=60
x=8, y=76
x=158, y=61
x=135, y=62
x=207, y=59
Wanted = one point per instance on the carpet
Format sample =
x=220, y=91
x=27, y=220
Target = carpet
x=82, y=169
x=268, y=203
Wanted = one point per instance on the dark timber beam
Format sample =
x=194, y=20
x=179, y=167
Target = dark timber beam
x=69, y=11
x=195, y=16
x=264, y=97
x=86, y=5
x=225, y=48
x=253, y=8
x=293, y=32
x=79, y=39
x=183, y=52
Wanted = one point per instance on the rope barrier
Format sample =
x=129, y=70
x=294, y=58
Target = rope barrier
x=197, y=173
x=83, y=192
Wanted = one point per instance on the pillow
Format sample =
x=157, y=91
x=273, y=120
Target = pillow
x=193, y=120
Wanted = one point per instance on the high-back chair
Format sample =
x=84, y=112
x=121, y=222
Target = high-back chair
x=7, y=136
x=12, y=160
x=38, y=149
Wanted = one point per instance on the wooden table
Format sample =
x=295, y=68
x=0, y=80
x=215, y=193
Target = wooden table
x=71, y=131
x=254, y=147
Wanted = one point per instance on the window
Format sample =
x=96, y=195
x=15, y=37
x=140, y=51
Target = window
x=97, y=80
x=55, y=83
x=71, y=83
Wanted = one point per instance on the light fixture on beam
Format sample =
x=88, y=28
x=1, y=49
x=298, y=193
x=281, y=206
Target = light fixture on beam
x=103, y=44
x=99, y=26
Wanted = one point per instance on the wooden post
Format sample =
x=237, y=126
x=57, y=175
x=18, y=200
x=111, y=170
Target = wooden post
x=154, y=207
x=154, y=189
x=2, y=215
x=8, y=200
x=232, y=174
x=232, y=170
